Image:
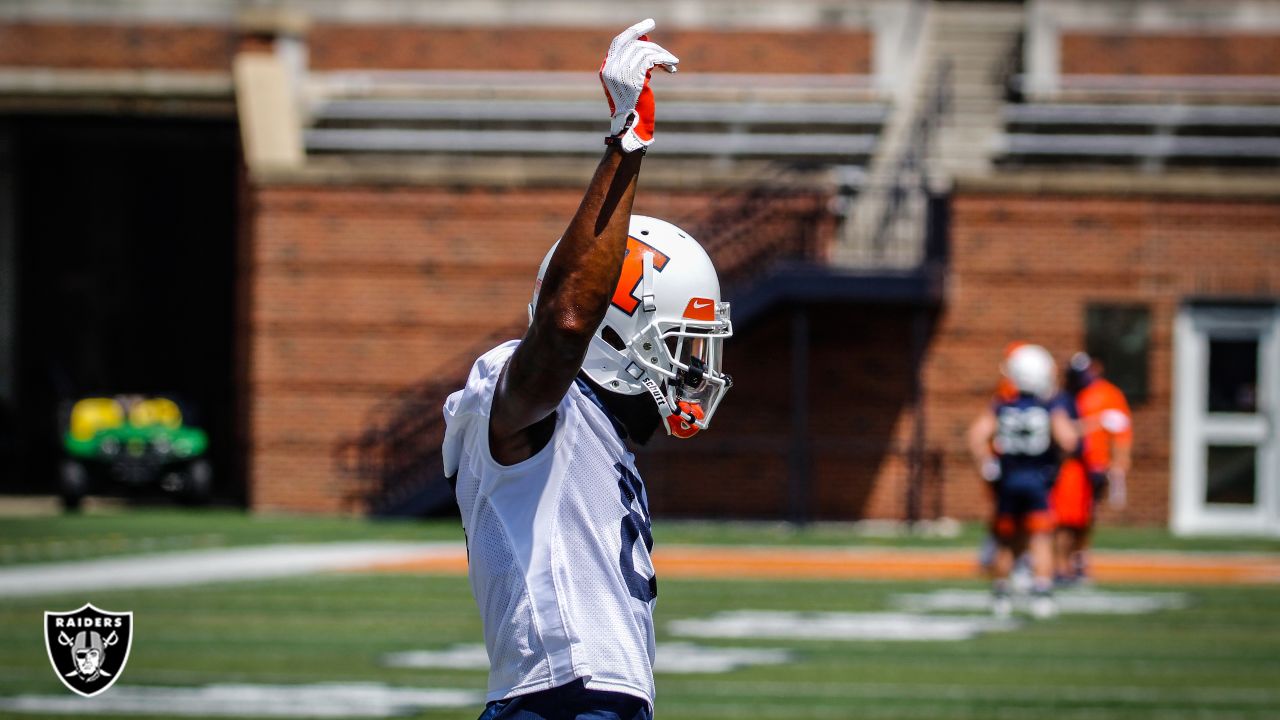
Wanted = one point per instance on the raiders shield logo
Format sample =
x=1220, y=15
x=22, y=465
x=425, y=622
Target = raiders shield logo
x=88, y=647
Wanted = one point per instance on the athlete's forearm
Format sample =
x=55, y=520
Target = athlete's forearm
x=1065, y=431
x=1121, y=456
x=979, y=439
x=575, y=293
x=582, y=274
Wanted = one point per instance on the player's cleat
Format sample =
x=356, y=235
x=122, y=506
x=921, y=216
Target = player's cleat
x=1001, y=606
x=1021, y=579
x=1043, y=606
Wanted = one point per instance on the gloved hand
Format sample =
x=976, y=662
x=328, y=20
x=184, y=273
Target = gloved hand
x=1119, y=492
x=625, y=77
x=991, y=470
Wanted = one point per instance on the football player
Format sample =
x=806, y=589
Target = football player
x=625, y=336
x=1102, y=463
x=1015, y=444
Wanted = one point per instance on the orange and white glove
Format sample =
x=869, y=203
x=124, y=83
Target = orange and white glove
x=625, y=77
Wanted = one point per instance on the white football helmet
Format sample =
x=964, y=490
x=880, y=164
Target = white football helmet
x=664, y=330
x=1031, y=370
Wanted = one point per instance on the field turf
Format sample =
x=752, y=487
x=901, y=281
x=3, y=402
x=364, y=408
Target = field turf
x=1217, y=658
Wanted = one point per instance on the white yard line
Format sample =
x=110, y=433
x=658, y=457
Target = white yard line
x=195, y=567
x=325, y=700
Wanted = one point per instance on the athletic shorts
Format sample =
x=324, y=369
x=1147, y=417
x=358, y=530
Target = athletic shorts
x=572, y=701
x=1022, y=504
x=1072, y=497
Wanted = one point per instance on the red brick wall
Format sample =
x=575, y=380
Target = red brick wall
x=1170, y=54
x=859, y=395
x=335, y=47
x=1024, y=266
x=356, y=292
x=116, y=47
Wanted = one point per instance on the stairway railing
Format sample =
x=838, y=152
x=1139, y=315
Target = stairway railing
x=904, y=213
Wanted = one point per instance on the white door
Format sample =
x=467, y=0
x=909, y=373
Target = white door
x=1226, y=420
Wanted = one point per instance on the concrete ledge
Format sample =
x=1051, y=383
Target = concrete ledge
x=136, y=83
x=527, y=172
x=1234, y=184
x=116, y=92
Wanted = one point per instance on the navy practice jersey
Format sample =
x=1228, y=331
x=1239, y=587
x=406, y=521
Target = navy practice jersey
x=1024, y=438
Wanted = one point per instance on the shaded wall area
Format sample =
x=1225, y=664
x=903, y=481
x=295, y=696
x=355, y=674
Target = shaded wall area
x=125, y=242
x=856, y=430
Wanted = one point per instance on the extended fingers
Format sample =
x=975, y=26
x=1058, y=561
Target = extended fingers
x=632, y=33
x=657, y=55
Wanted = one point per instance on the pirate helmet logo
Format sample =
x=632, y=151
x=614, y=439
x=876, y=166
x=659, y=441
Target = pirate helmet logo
x=88, y=647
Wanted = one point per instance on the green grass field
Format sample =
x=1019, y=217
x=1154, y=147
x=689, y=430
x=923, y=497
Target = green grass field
x=74, y=537
x=1217, y=658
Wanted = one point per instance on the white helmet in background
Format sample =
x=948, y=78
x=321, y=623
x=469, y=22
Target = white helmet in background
x=664, y=329
x=1031, y=370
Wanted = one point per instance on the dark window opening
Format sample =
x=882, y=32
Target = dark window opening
x=1119, y=336
x=1231, y=475
x=1233, y=376
x=125, y=257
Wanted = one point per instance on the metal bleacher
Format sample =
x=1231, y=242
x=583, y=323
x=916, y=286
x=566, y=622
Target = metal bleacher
x=1150, y=135
x=790, y=118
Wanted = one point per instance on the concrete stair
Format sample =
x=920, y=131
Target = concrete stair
x=978, y=41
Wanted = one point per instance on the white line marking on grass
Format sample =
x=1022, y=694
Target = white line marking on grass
x=325, y=700
x=838, y=626
x=457, y=657
x=208, y=566
x=1021, y=693
x=793, y=710
x=673, y=657
x=676, y=657
x=1076, y=601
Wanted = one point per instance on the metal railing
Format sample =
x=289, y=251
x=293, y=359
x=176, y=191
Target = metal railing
x=903, y=217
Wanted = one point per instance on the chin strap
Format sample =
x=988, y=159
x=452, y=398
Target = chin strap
x=679, y=421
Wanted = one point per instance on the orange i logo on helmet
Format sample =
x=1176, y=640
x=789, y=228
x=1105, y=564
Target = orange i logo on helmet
x=624, y=296
x=88, y=647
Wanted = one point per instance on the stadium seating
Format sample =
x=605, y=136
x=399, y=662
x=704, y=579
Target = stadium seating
x=814, y=119
x=1154, y=135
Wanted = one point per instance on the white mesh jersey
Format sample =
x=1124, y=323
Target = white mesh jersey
x=558, y=546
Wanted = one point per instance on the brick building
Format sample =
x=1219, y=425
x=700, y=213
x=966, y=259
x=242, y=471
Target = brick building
x=307, y=211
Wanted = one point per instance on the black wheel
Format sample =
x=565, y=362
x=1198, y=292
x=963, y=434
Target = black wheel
x=73, y=485
x=197, y=483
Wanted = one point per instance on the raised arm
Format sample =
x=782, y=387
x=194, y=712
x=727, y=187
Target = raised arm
x=979, y=437
x=582, y=274
x=1065, y=432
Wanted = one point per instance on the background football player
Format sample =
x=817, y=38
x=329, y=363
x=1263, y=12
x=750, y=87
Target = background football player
x=1016, y=444
x=1101, y=464
x=625, y=335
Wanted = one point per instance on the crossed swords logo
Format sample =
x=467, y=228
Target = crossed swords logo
x=87, y=653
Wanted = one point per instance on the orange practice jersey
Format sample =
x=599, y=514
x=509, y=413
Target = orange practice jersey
x=1104, y=412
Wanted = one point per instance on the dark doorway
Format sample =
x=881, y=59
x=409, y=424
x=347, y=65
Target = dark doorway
x=125, y=276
